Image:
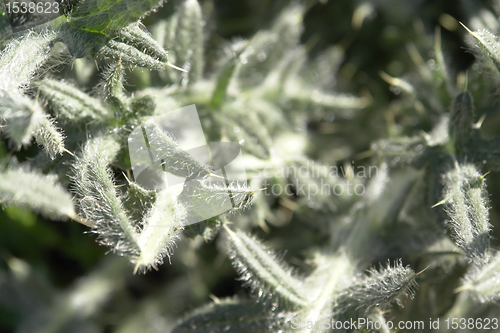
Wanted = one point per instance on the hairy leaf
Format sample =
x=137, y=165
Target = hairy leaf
x=97, y=198
x=42, y=193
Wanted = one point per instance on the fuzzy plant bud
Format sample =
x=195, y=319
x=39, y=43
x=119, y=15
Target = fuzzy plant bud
x=104, y=17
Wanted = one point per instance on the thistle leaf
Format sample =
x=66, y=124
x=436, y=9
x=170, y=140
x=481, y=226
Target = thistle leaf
x=164, y=33
x=114, y=77
x=260, y=269
x=127, y=54
x=41, y=193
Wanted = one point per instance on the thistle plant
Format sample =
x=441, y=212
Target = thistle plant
x=81, y=99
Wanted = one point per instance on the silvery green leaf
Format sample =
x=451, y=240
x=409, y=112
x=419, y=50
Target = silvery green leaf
x=50, y=137
x=70, y=103
x=209, y=197
x=160, y=228
x=41, y=193
x=125, y=48
x=261, y=269
x=22, y=58
x=381, y=287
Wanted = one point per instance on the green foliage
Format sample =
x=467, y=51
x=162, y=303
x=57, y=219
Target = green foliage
x=106, y=16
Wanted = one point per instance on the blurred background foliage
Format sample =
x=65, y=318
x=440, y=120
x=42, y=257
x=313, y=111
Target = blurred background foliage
x=42, y=262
